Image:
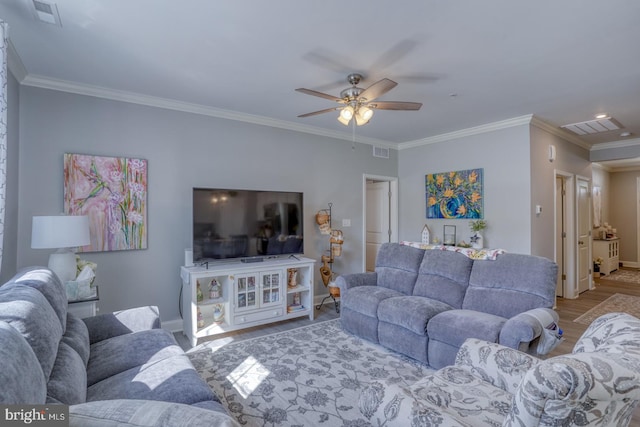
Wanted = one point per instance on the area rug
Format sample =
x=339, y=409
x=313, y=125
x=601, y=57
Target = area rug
x=620, y=275
x=309, y=376
x=615, y=303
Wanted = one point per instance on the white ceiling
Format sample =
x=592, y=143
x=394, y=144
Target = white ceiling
x=469, y=62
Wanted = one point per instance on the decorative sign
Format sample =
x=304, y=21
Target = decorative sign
x=457, y=194
x=112, y=192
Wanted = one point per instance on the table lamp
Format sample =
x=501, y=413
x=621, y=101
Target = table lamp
x=64, y=232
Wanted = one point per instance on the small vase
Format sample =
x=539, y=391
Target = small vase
x=477, y=241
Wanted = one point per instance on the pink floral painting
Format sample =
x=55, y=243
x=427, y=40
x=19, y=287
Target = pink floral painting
x=112, y=192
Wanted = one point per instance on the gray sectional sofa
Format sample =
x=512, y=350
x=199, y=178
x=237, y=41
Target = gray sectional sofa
x=426, y=302
x=112, y=369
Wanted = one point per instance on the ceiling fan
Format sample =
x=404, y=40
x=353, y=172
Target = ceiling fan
x=359, y=103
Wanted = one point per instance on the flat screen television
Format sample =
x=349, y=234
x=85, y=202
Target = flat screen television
x=233, y=223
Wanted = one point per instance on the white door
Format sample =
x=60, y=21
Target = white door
x=378, y=223
x=583, y=203
x=560, y=235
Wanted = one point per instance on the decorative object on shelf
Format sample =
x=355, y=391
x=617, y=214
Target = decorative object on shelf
x=62, y=232
x=215, y=290
x=199, y=295
x=218, y=313
x=292, y=277
x=296, y=298
x=336, y=240
x=477, y=240
x=112, y=192
x=426, y=235
x=449, y=234
x=456, y=194
x=200, y=319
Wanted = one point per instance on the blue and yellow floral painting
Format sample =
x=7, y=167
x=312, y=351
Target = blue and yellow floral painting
x=455, y=195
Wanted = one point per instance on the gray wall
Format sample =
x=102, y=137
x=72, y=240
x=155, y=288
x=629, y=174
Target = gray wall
x=183, y=151
x=504, y=155
x=624, y=213
x=570, y=159
x=10, y=240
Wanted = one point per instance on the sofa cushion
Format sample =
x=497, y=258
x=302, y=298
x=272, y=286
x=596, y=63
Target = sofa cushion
x=144, y=413
x=397, y=267
x=365, y=299
x=27, y=310
x=410, y=312
x=171, y=379
x=511, y=284
x=77, y=337
x=118, y=354
x=444, y=276
x=48, y=284
x=455, y=326
x=68, y=381
x=21, y=376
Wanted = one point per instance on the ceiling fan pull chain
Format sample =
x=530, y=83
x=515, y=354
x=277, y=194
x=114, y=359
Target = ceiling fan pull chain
x=353, y=135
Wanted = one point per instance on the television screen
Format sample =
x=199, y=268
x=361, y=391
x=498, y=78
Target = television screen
x=229, y=223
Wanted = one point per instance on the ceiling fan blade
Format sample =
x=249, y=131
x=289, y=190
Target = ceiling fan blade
x=320, y=94
x=377, y=89
x=326, y=110
x=395, y=105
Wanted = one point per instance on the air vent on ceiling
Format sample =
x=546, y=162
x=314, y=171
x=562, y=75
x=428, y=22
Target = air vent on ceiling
x=47, y=12
x=604, y=124
x=381, y=152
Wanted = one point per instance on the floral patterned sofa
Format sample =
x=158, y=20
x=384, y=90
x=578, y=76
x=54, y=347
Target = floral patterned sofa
x=492, y=385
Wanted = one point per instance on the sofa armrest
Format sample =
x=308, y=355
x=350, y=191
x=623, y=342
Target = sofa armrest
x=594, y=388
x=501, y=366
x=522, y=330
x=348, y=281
x=141, y=413
x=105, y=326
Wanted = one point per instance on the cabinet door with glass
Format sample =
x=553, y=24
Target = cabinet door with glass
x=246, y=292
x=271, y=288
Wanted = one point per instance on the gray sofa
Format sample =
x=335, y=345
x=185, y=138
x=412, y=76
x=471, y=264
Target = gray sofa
x=426, y=303
x=118, y=368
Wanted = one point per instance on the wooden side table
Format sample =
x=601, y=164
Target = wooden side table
x=85, y=307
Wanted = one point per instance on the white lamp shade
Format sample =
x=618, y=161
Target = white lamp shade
x=62, y=231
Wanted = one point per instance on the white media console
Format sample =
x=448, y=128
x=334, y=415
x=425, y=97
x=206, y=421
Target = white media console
x=235, y=295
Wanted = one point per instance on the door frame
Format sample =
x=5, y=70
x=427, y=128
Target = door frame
x=589, y=184
x=570, y=290
x=393, y=210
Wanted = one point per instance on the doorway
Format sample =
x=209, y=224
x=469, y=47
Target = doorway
x=380, y=216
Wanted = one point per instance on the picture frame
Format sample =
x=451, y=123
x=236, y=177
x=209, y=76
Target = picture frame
x=112, y=192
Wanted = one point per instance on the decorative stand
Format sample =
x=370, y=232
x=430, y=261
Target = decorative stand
x=323, y=218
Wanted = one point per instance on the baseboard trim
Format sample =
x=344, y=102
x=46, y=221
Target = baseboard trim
x=172, y=325
x=629, y=264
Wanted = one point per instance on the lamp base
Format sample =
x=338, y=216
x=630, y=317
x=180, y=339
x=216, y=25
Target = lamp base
x=63, y=264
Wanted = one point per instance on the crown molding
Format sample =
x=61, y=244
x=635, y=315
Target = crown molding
x=170, y=104
x=559, y=132
x=616, y=144
x=15, y=64
x=489, y=127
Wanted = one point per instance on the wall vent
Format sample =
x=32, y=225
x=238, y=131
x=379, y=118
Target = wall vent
x=604, y=124
x=381, y=152
x=47, y=12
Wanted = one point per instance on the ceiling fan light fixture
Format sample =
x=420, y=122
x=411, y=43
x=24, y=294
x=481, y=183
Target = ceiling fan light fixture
x=343, y=120
x=365, y=112
x=363, y=115
x=347, y=112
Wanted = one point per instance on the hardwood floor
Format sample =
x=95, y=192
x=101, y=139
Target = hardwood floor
x=568, y=309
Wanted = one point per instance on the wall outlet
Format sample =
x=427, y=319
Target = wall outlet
x=346, y=223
